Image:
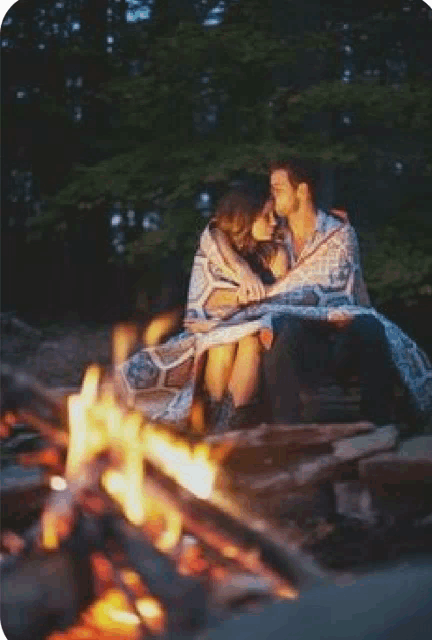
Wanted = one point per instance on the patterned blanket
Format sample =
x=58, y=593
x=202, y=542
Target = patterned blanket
x=327, y=276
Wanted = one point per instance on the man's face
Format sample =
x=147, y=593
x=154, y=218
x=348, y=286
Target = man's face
x=284, y=194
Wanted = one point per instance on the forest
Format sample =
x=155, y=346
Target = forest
x=125, y=121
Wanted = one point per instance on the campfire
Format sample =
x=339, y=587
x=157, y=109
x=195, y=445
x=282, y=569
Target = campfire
x=167, y=541
x=149, y=532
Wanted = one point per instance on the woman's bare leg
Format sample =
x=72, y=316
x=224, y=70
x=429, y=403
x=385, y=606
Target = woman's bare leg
x=218, y=369
x=245, y=374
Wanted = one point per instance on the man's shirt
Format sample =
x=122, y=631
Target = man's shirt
x=325, y=223
x=342, y=262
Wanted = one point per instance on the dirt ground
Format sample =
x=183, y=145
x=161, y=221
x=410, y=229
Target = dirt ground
x=56, y=354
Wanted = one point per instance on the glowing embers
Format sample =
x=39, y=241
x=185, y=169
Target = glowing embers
x=112, y=616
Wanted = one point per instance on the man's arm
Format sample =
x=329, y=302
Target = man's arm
x=339, y=269
x=280, y=263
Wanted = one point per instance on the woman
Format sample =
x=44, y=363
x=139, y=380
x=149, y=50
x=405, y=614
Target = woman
x=244, y=229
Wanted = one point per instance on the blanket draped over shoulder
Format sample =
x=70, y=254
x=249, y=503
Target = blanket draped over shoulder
x=162, y=379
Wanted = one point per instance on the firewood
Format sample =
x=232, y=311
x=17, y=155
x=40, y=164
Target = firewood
x=294, y=436
x=183, y=597
x=245, y=537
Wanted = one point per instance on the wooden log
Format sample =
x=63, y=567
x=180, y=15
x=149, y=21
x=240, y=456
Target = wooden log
x=183, y=597
x=293, y=436
x=300, y=475
x=25, y=390
x=323, y=467
x=382, y=439
x=246, y=538
x=45, y=428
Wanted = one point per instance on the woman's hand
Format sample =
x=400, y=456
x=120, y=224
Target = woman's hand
x=200, y=326
x=339, y=319
x=251, y=288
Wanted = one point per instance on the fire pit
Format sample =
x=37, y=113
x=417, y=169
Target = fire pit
x=147, y=513
x=145, y=533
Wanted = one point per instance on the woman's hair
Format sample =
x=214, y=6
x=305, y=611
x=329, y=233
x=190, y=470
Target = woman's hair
x=236, y=212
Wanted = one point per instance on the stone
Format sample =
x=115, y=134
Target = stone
x=411, y=463
x=354, y=500
x=418, y=448
x=381, y=439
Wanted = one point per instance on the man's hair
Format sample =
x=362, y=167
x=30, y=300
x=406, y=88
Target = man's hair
x=298, y=171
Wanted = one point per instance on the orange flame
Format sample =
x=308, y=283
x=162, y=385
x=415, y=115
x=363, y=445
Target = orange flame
x=190, y=466
x=79, y=451
x=113, y=614
x=123, y=338
x=50, y=538
x=159, y=327
x=97, y=422
x=152, y=612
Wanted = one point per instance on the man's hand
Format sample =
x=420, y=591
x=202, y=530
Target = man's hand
x=339, y=319
x=251, y=287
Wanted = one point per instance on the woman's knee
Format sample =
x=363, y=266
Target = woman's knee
x=250, y=344
x=221, y=355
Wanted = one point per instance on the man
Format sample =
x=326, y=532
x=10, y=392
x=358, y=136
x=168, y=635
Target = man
x=303, y=346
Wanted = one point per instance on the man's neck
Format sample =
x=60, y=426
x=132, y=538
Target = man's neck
x=303, y=221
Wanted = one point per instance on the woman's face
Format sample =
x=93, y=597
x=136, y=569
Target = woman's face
x=264, y=224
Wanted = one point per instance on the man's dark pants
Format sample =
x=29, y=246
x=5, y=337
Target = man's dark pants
x=305, y=350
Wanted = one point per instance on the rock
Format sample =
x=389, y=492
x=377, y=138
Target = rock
x=354, y=500
x=418, y=448
x=394, y=468
x=410, y=464
x=382, y=439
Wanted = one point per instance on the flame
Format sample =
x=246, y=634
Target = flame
x=133, y=473
x=191, y=466
x=159, y=327
x=123, y=339
x=80, y=435
x=50, y=538
x=97, y=422
x=172, y=534
x=57, y=483
x=152, y=612
x=112, y=613
x=131, y=578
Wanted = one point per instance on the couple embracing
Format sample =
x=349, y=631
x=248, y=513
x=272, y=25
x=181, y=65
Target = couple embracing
x=276, y=298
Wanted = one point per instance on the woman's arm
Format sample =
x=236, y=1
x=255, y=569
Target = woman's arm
x=251, y=286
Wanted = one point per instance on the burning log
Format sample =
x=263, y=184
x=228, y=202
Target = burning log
x=245, y=538
x=183, y=597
